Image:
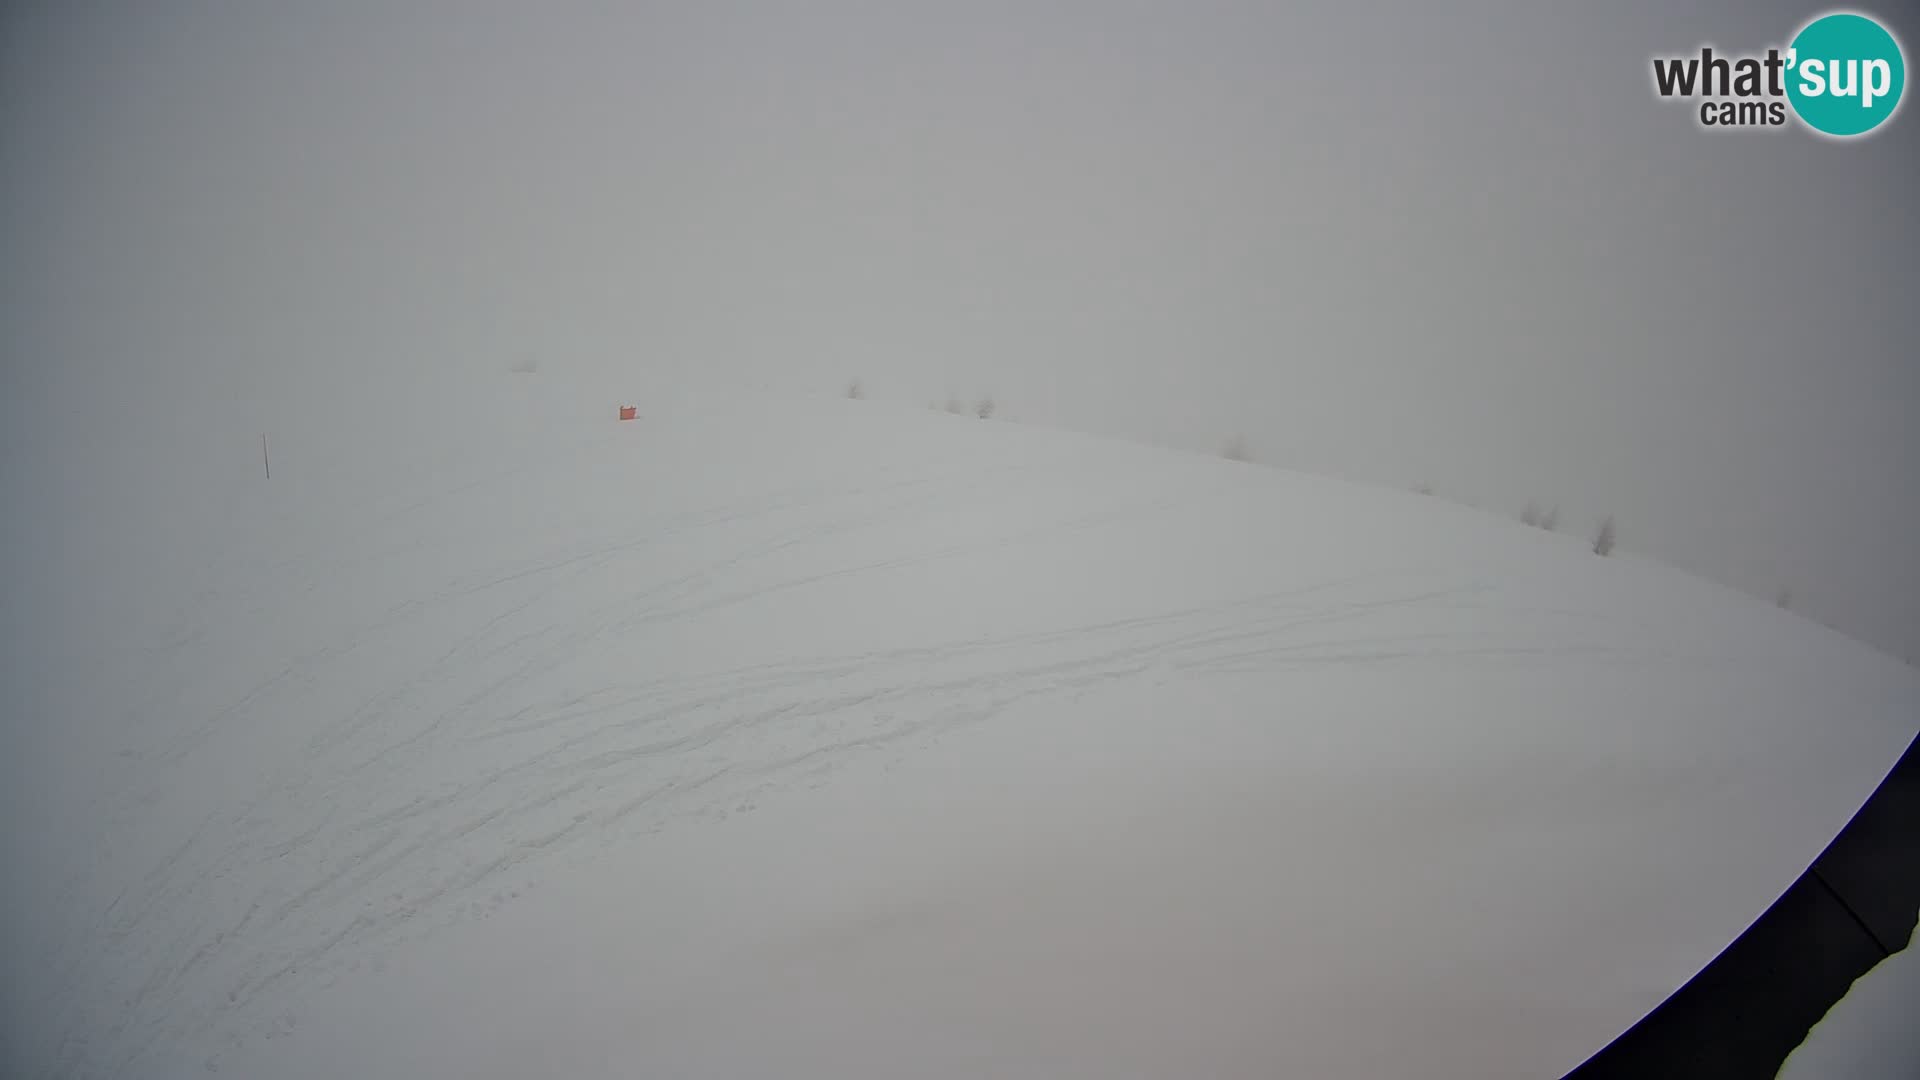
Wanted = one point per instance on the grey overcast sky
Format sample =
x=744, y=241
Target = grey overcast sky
x=1404, y=242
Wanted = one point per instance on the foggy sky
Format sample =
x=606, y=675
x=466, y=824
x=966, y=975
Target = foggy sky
x=1465, y=247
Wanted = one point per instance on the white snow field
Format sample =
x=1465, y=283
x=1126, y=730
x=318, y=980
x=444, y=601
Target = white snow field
x=494, y=738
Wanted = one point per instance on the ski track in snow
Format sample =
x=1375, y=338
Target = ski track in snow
x=340, y=861
x=437, y=794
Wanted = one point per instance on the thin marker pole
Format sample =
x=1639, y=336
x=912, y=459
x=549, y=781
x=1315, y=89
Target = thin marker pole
x=264, y=459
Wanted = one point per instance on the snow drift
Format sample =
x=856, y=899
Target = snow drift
x=833, y=739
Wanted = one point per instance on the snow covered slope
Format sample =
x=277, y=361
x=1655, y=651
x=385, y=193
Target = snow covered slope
x=829, y=739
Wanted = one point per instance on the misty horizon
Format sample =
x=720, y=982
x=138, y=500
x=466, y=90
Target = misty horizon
x=1494, y=262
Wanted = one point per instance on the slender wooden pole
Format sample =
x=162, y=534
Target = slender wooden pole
x=264, y=459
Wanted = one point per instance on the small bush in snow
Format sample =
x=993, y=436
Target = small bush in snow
x=956, y=406
x=855, y=391
x=1603, y=540
x=1548, y=519
x=1423, y=489
x=1235, y=449
x=1785, y=600
x=983, y=408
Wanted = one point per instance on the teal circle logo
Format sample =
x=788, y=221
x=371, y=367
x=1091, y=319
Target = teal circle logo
x=1845, y=74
